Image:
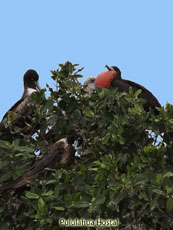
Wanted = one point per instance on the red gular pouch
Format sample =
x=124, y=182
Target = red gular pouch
x=104, y=79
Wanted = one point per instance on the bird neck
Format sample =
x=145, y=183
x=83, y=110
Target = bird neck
x=118, y=76
x=30, y=91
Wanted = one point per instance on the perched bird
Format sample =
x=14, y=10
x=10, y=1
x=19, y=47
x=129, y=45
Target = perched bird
x=112, y=77
x=89, y=84
x=31, y=85
x=62, y=151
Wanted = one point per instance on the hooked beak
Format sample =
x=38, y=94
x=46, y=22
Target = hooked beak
x=37, y=86
x=109, y=68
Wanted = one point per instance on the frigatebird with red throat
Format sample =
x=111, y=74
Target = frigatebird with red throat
x=112, y=77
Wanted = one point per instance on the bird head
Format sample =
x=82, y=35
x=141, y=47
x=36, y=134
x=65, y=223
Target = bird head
x=89, y=84
x=104, y=79
x=30, y=79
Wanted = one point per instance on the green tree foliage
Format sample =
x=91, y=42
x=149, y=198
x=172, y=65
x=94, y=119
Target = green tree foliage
x=125, y=168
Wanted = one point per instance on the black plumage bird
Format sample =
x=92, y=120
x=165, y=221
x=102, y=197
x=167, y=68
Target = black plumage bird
x=62, y=151
x=112, y=77
x=31, y=85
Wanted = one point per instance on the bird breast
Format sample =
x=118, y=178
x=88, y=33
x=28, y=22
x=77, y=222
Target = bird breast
x=22, y=108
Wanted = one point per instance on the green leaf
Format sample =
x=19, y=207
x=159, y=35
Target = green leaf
x=24, y=149
x=31, y=195
x=143, y=195
x=138, y=92
x=89, y=113
x=168, y=174
x=5, y=145
x=170, y=204
x=81, y=204
x=41, y=204
x=159, y=192
x=77, y=196
x=59, y=208
x=49, y=193
x=152, y=204
x=6, y=176
x=106, y=138
x=47, y=106
x=99, y=200
x=77, y=114
x=71, y=106
x=131, y=91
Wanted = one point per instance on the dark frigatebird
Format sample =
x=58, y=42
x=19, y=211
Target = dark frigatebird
x=62, y=151
x=112, y=77
x=21, y=108
x=31, y=85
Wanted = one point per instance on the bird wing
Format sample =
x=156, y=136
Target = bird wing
x=134, y=84
x=144, y=90
x=124, y=85
x=21, y=102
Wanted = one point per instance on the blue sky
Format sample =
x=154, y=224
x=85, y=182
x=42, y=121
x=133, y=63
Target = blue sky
x=135, y=35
